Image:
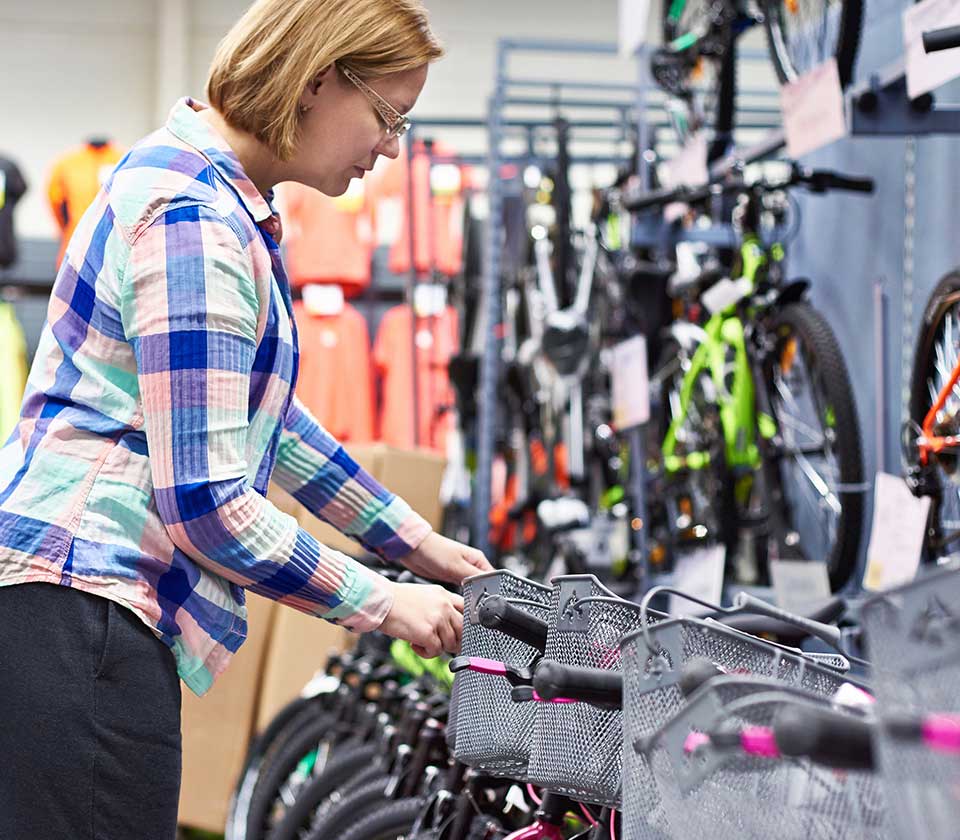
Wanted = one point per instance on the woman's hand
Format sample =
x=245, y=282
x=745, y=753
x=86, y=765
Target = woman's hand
x=443, y=559
x=427, y=616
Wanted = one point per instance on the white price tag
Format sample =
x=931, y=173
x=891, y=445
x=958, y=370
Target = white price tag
x=630, y=383
x=813, y=109
x=698, y=573
x=726, y=292
x=633, y=25
x=928, y=72
x=896, y=539
x=688, y=168
x=798, y=584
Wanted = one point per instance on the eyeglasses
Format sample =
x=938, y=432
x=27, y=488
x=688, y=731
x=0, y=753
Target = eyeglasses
x=396, y=123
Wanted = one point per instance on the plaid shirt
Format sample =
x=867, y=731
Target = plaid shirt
x=159, y=406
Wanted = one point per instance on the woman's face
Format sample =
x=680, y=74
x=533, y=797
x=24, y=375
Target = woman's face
x=341, y=134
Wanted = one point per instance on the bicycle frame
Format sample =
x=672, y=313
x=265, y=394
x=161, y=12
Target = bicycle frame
x=930, y=443
x=739, y=416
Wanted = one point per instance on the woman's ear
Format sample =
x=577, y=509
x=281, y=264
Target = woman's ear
x=314, y=86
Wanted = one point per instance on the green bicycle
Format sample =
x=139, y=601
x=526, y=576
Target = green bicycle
x=759, y=443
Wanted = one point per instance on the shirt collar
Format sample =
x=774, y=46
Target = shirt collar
x=184, y=122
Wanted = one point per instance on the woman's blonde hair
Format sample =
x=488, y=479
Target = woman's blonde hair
x=279, y=46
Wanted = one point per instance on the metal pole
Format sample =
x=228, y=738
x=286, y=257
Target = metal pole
x=490, y=360
x=411, y=286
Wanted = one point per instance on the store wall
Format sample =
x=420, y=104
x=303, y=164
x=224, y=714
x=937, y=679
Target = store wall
x=848, y=243
x=91, y=67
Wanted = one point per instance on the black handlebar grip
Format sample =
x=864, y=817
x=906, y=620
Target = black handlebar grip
x=554, y=681
x=941, y=39
x=653, y=199
x=824, y=736
x=695, y=673
x=497, y=613
x=821, y=180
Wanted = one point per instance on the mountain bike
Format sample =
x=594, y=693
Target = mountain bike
x=698, y=63
x=757, y=433
x=931, y=434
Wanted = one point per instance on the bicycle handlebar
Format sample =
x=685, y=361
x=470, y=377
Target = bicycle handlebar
x=827, y=632
x=941, y=39
x=553, y=681
x=824, y=736
x=497, y=613
x=816, y=180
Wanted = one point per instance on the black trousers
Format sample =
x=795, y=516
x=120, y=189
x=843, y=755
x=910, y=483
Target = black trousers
x=89, y=720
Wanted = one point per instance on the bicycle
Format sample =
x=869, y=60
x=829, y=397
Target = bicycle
x=700, y=51
x=757, y=434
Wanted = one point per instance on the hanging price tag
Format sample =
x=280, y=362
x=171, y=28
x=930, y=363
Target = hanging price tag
x=630, y=383
x=698, y=573
x=813, y=110
x=928, y=72
x=633, y=25
x=896, y=539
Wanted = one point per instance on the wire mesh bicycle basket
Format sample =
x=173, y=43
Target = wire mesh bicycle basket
x=653, y=664
x=490, y=731
x=731, y=789
x=913, y=639
x=577, y=748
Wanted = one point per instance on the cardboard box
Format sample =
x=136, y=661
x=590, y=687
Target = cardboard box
x=217, y=727
x=299, y=646
x=414, y=475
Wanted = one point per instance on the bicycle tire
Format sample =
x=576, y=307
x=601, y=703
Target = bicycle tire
x=707, y=490
x=275, y=773
x=942, y=302
x=289, y=719
x=832, y=380
x=388, y=822
x=345, y=765
x=845, y=49
x=360, y=799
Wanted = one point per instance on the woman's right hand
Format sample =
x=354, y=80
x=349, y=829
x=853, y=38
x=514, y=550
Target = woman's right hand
x=427, y=616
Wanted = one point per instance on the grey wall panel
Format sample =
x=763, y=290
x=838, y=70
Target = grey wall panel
x=847, y=243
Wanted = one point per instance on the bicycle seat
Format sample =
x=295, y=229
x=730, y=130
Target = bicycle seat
x=566, y=340
x=694, y=286
x=826, y=612
x=558, y=515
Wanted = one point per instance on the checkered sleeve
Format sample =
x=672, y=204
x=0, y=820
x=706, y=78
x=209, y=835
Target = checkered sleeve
x=321, y=475
x=189, y=307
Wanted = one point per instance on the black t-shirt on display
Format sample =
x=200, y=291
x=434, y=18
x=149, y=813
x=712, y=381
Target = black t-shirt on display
x=12, y=188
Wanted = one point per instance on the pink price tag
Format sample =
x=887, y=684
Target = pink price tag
x=813, y=110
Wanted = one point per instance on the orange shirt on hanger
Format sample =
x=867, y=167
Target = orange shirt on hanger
x=335, y=380
x=439, y=244
x=328, y=240
x=75, y=179
x=437, y=340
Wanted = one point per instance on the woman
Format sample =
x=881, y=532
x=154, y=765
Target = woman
x=132, y=496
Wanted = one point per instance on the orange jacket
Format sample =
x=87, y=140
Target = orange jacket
x=437, y=340
x=335, y=380
x=75, y=179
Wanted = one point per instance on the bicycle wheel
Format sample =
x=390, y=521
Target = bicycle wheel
x=290, y=720
x=819, y=456
x=277, y=784
x=696, y=499
x=359, y=800
x=937, y=354
x=804, y=33
x=391, y=821
x=344, y=766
